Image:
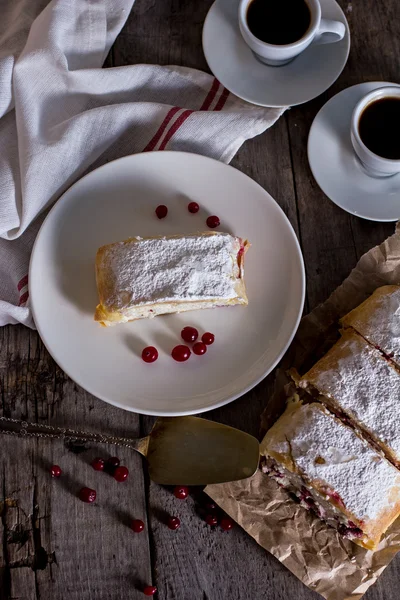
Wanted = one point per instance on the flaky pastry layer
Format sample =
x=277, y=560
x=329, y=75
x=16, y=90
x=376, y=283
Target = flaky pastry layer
x=143, y=278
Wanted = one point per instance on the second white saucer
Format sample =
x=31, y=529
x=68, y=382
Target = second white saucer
x=234, y=64
x=336, y=168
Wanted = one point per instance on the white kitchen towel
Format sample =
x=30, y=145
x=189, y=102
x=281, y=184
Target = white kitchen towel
x=61, y=115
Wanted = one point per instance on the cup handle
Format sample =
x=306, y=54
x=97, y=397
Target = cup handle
x=329, y=32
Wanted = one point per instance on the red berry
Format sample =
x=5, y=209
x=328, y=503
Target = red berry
x=181, y=353
x=98, y=464
x=87, y=495
x=111, y=464
x=208, y=338
x=137, y=525
x=210, y=506
x=211, y=520
x=213, y=222
x=55, y=471
x=121, y=474
x=193, y=207
x=150, y=354
x=173, y=523
x=226, y=523
x=161, y=211
x=199, y=348
x=149, y=590
x=181, y=492
x=189, y=334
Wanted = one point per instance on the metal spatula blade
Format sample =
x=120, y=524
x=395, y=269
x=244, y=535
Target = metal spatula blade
x=194, y=451
x=179, y=450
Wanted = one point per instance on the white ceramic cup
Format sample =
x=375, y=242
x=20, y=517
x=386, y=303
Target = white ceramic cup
x=320, y=31
x=373, y=164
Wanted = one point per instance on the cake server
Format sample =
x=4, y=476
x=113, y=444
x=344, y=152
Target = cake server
x=179, y=450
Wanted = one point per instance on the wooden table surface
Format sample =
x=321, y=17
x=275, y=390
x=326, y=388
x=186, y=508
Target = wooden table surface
x=54, y=547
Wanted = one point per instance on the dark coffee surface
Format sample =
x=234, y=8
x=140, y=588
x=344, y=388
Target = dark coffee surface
x=379, y=127
x=278, y=21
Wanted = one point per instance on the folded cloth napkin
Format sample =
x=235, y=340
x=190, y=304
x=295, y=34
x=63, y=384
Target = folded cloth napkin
x=62, y=115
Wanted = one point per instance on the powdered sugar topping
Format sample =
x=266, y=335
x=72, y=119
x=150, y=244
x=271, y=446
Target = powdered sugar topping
x=383, y=326
x=332, y=453
x=366, y=386
x=168, y=269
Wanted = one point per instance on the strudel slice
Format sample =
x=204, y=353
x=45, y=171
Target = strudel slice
x=333, y=472
x=142, y=278
x=361, y=386
x=378, y=320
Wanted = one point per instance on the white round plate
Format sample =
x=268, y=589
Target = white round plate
x=336, y=168
x=117, y=201
x=234, y=64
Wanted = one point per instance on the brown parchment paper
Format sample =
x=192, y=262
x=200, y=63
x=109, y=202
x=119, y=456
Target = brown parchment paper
x=323, y=560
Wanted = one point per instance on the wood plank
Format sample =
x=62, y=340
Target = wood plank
x=55, y=546
x=166, y=33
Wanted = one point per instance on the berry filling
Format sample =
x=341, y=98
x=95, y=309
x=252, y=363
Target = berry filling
x=313, y=500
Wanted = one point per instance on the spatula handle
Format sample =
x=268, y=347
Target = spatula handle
x=25, y=429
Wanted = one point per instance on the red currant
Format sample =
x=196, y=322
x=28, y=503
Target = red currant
x=226, y=523
x=173, y=523
x=193, y=207
x=181, y=492
x=161, y=211
x=213, y=222
x=121, y=474
x=149, y=590
x=150, y=354
x=181, y=353
x=111, y=464
x=211, y=520
x=199, y=348
x=87, y=495
x=55, y=471
x=137, y=525
x=208, y=338
x=189, y=334
x=98, y=464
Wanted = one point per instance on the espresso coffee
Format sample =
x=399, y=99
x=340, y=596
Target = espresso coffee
x=278, y=22
x=379, y=127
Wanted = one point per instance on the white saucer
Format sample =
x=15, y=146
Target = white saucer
x=117, y=201
x=234, y=64
x=336, y=168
